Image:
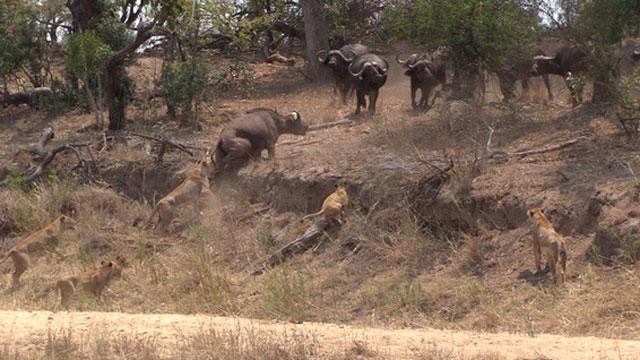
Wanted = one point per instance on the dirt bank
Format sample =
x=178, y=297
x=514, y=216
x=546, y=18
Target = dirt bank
x=28, y=332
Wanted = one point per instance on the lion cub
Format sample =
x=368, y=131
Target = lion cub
x=41, y=241
x=196, y=183
x=92, y=282
x=545, y=236
x=333, y=205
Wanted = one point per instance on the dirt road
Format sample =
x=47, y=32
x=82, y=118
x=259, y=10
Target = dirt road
x=28, y=331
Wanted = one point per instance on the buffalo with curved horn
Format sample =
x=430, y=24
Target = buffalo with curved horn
x=338, y=61
x=568, y=60
x=424, y=75
x=369, y=74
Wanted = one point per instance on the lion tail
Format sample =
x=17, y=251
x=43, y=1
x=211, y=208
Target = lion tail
x=312, y=215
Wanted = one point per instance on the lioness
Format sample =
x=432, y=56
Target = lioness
x=196, y=183
x=545, y=236
x=333, y=205
x=41, y=241
x=92, y=282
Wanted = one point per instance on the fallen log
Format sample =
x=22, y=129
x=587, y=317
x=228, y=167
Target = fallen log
x=309, y=239
x=524, y=153
x=164, y=144
x=330, y=124
x=277, y=57
x=29, y=97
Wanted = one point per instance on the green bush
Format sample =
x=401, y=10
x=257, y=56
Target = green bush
x=184, y=83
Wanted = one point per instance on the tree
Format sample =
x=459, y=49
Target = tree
x=315, y=30
x=86, y=54
x=600, y=27
x=23, y=42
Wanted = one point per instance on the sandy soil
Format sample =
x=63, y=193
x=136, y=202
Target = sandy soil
x=28, y=331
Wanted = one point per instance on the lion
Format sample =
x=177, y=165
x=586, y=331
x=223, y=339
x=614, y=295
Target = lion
x=545, y=236
x=92, y=281
x=195, y=184
x=333, y=205
x=42, y=241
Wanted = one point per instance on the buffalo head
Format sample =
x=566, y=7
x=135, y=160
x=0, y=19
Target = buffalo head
x=294, y=125
x=334, y=59
x=422, y=70
x=370, y=70
x=412, y=59
x=543, y=65
x=636, y=54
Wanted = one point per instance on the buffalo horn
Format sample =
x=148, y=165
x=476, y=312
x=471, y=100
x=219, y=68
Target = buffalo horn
x=319, y=55
x=364, y=66
x=338, y=52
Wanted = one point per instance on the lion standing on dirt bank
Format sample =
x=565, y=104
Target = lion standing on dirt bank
x=545, y=236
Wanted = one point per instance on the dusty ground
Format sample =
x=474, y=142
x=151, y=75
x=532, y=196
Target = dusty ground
x=28, y=332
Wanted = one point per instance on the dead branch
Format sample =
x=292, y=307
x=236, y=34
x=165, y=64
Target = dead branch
x=48, y=157
x=164, y=143
x=277, y=57
x=330, y=124
x=309, y=239
x=543, y=150
x=47, y=135
x=298, y=142
x=424, y=193
x=548, y=148
x=29, y=97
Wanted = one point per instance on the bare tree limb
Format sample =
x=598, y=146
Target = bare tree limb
x=164, y=142
x=330, y=124
x=47, y=135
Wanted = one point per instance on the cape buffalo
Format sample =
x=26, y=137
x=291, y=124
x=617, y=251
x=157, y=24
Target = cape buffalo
x=520, y=70
x=338, y=61
x=249, y=134
x=568, y=61
x=424, y=75
x=369, y=73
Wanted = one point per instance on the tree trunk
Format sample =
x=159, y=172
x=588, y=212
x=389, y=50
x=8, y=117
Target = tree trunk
x=82, y=13
x=315, y=30
x=602, y=90
x=93, y=104
x=116, y=96
x=465, y=81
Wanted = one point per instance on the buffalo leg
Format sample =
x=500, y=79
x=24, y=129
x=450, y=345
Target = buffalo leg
x=414, y=88
x=360, y=102
x=271, y=151
x=237, y=148
x=547, y=84
x=373, y=99
x=525, y=87
x=426, y=93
